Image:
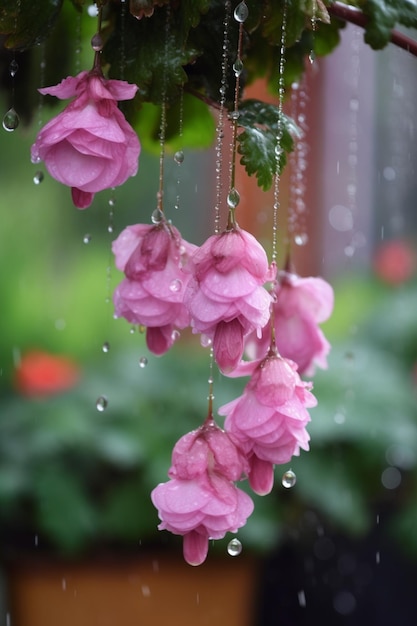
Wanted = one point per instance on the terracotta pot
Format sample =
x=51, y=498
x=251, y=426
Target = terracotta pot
x=157, y=590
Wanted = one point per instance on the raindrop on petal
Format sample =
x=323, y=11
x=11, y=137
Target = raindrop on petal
x=38, y=177
x=289, y=479
x=101, y=403
x=241, y=12
x=143, y=362
x=175, y=285
x=234, y=547
x=11, y=120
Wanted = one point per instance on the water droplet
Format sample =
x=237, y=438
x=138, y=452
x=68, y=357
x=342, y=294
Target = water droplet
x=157, y=216
x=241, y=12
x=92, y=10
x=378, y=558
x=179, y=157
x=234, y=115
x=234, y=547
x=278, y=150
x=312, y=57
x=132, y=330
x=233, y=198
x=110, y=228
x=301, y=239
x=97, y=42
x=143, y=362
x=175, y=335
x=175, y=285
x=101, y=403
x=391, y=478
x=38, y=177
x=106, y=346
x=13, y=68
x=302, y=598
x=87, y=238
x=289, y=479
x=11, y=120
x=142, y=329
x=238, y=67
x=112, y=201
x=205, y=341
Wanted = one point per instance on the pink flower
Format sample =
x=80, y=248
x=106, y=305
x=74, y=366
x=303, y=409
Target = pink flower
x=268, y=422
x=300, y=305
x=200, y=501
x=89, y=146
x=226, y=297
x=152, y=258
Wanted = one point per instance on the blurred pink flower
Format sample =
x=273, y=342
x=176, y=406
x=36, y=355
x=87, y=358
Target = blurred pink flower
x=268, y=421
x=152, y=258
x=89, y=146
x=395, y=261
x=200, y=501
x=300, y=305
x=226, y=297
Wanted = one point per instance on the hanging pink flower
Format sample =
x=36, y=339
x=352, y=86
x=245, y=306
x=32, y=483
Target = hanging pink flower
x=200, y=501
x=153, y=259
x=89, y=146
x=300, y=305
x=268, y=421
x=226, y=297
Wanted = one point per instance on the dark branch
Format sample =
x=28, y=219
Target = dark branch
x=355, y=16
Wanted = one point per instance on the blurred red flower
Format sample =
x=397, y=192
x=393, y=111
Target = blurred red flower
x=395, y=262
x=43, y=374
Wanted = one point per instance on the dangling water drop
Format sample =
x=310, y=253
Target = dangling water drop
x=234, y=547
x=238, y=67
x=157, y=216
x=87, y=238
x=101, y=404
x=106, y=346
x=301, y=239
x=289, y=479
x=13, y=68
x=132, y=330
x=92, y=10
x=38, y=177
x=233, y=198
x=11, y=120
x=179, y=157
x=175, y=335
x=97, y=42
x=142, y=329
x=143, y=362
x=241, y=12
x=312, y=56
x=175, y=285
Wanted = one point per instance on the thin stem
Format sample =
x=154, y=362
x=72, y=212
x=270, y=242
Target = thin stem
x=356, y=16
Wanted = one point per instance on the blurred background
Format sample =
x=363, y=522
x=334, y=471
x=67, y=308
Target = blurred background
x=88, y=417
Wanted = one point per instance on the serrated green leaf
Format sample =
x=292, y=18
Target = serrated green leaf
x=27, y=23
x=258, y=142
x=383, y=16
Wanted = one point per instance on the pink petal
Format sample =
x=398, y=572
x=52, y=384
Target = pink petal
x=195, y=548
x=261, y=476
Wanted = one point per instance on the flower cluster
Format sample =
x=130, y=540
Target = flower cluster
x=201, y=501
x=153, y=259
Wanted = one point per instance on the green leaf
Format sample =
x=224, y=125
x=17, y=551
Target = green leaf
x=258, y=141
x=27, y=23
x=146, y=56
x=383, y=16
